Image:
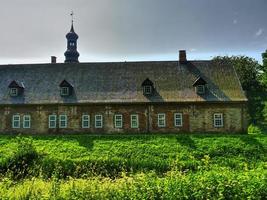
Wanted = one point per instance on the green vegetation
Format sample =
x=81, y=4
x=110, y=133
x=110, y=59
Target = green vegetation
x=253, y=78
x=133, y=167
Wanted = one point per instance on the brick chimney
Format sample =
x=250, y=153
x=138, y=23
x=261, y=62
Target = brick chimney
x=53, y=59
x=182, y=56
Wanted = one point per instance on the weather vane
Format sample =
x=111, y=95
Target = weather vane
x=71, y=14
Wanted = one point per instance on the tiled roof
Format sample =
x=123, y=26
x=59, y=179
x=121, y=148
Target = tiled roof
x=121, y=82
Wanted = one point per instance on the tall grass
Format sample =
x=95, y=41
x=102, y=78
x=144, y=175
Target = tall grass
x=86, y=156
x=133, y=167
x=214, y=184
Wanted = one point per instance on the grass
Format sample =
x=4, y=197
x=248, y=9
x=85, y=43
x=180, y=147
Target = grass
x=131, y=166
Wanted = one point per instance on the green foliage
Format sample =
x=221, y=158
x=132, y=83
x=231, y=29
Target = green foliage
x=215, y=184
x=19, y=164
x=254, y=129
x=248, y=70
x=264, y=69
x=134, y=167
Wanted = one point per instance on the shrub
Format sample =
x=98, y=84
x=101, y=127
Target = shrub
x=254, y=129
x=19, y=165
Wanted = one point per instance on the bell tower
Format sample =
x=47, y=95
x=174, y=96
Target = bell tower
x=71, y=54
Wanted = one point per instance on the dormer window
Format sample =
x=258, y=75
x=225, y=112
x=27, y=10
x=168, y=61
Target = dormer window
x=16, y=88
x=200, y=89
x=13, y=92
x=64, y=91
x=200, y=86
x=66, y=88
x=148, y=87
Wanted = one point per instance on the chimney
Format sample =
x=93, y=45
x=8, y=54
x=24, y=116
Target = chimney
x=53, y=59
x=182, y=56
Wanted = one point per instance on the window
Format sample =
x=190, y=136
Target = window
x=26, y=121
x=13, y=92
x=161, y=120
x=147, y=89
x=98, y=121
x=16, y=121
x=52, y=121
x=178, y=119
x=64, y=91
x=200, y=89
x=63, y=121
x=134, y=121
x=86, y=121
x=218, y=120
x=118, y=121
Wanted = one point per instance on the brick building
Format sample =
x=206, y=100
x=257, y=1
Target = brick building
x=130, y=97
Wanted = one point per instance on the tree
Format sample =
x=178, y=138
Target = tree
x=248, y=70
x=264, y=70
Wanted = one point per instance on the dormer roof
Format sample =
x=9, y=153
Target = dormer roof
x=16, y=84
x=199, y=81
x=65, y=83
x=147, y=82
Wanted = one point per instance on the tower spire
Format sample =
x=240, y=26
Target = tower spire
x=71, y=55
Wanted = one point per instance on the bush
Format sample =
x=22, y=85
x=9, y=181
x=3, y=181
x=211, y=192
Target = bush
x=19, y=165
x=254, y=129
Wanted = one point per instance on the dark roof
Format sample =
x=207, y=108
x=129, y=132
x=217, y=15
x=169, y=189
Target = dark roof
x=72, y=35
x=65, y=83
x=199, y=81
x=121, y=82
x=16, y=84
x=147, y=82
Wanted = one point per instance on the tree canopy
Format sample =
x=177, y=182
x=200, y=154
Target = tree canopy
x=248, y=70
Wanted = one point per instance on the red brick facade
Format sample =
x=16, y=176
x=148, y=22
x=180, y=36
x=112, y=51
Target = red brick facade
x=195, y=118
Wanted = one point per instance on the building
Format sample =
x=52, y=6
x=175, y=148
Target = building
x=120, y=97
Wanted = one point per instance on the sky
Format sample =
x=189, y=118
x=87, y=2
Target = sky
x=132, y=30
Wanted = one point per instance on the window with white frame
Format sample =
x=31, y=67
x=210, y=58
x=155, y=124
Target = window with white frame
x=86, y=121
x=147, y=89
x=178, y=119
x=64, y=91
x=118, y=121
x=26, y=121
x=161, y=120
x=218, y=120
x=200, y=89
x=13, y=92
x=63, y=121
x=52, y=121
x=16, y=121
x=98, y=121
x=134, y=121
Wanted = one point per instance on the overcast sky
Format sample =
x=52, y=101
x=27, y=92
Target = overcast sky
x=120, y=30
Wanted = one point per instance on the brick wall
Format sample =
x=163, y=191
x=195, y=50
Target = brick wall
x=196, y=118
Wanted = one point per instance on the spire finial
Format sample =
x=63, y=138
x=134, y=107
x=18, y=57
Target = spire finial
x=71, y=14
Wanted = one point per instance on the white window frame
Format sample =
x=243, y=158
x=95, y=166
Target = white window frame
x=100, y=120
x=13, y=92
x=86, y=119
x=178, y=117
x=200, y=89
x=118, y=121
x=134, y=122
x=26, y=119
x=63, y=119
x=54, y=121
x=64, y=91
x=147, y=89
x=161, y=118
x=16, y=120
x=218, y=117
